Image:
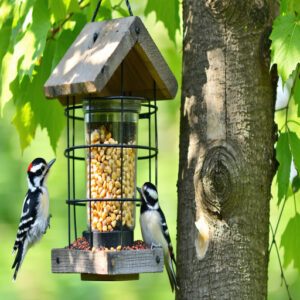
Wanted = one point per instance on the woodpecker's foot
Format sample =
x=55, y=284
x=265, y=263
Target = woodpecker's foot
x=153, y=246
x=48, y=223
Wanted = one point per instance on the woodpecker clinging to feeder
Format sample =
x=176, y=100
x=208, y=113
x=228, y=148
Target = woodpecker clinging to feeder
x=35, y=212
x=154, y=228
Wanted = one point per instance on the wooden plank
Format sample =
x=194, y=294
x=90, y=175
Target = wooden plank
x=97, y=277
x=130, y=262
x=76, y=261
x=107, y=262
x=93, y=67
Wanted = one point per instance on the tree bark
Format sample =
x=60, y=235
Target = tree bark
x=227, y=162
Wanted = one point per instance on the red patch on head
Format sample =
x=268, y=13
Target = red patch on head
x=29, y=167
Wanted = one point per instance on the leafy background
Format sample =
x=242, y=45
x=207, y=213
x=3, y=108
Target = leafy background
x=34, y=35
x=285, y=218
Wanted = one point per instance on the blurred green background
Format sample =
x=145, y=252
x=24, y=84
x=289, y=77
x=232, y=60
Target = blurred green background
x=35, y=280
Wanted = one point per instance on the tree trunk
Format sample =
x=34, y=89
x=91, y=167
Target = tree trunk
x=226, y=150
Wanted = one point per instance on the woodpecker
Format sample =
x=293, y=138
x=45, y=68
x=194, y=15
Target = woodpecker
x=35, y=217
x=154, y=228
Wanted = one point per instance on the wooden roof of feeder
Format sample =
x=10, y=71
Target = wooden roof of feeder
x=92, y=65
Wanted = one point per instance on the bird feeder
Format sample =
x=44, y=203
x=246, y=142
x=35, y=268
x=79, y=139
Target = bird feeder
x=110, y=79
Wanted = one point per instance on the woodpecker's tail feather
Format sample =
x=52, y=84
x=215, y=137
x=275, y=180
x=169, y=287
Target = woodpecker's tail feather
x=171, y=252
x=171, y=273
x=16, y=246
x=18, y=260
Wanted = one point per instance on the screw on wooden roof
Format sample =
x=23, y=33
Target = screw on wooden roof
x=95, y=36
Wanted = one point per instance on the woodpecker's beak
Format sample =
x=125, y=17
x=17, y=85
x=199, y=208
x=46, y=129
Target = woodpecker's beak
x=51, y=162
x=139, y=190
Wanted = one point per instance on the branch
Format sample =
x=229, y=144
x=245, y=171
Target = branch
x=281, y=268
x=55, y=30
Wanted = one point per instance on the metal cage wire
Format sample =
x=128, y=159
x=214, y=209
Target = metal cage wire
x=72, y=113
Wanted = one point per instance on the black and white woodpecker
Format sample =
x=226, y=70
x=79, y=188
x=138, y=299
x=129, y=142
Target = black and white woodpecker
x=35, y=217
x=154, y=228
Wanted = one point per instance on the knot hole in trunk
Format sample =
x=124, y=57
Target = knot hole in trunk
x=220, y=180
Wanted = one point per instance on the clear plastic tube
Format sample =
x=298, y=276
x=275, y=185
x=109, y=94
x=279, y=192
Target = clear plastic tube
x=111, y=171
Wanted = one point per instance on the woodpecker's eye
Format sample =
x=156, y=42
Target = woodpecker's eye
x=39, y=172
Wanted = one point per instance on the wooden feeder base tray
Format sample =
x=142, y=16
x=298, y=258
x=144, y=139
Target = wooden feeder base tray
x=107, y=265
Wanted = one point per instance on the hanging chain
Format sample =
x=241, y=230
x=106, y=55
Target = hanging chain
x=129, y=7
x=99, y=4
x=96, y=11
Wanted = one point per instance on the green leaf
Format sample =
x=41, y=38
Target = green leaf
x=61, y=8
x=73, y=6
x=8, y=74
x=30, y=101
x=123, y=12
x=284, y=158
x=296, y=94
x=24, y=119
x=290, y=241
x=295, y=148
x=5, y=32
x=296, y=6
x=285, y=47
x=106, y=13
x=28, y=91
x=50, y=112
x=167, y=12
x=29, y=48
x=22, y=18
x=5, y=11
x=25, y=124
x=284, y=6
x=289, y=6
x=58, y=9
x=34, y=40
x=66, y=38
x=296, y=184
